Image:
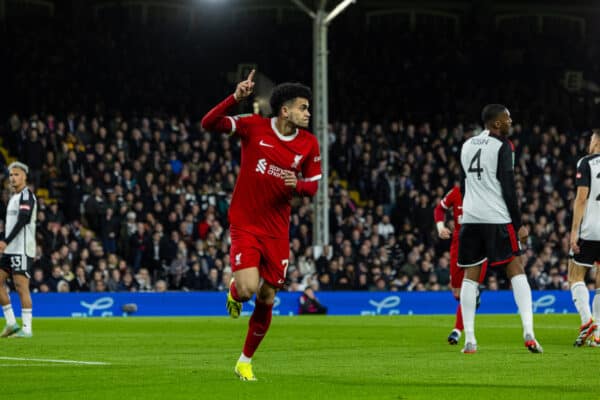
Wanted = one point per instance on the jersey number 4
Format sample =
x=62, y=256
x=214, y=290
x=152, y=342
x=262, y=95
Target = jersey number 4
x=475, y=165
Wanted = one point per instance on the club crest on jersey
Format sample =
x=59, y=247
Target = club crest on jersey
x=238, y=259
x=296, y=161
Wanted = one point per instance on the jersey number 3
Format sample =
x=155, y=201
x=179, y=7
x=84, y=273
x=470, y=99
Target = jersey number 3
x=475, y=165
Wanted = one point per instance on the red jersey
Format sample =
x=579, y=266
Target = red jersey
x=452, y=199
x=261, y=201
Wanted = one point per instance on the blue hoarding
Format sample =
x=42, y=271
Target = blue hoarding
x=338, y=303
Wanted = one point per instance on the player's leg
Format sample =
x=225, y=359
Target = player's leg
x=471, y=253
x=245, y=259
x=468, y=302
x=9, y=315
x=259, y=324
x=275, y=253
x=579, y=265
x=522, y=295
x=456, y=278
x=581, y=299
x=596, y=309
x=507, y=248
x=22, y=287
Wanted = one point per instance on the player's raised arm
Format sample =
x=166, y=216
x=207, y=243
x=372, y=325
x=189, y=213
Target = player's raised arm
x=217, y=120
x=245, y=88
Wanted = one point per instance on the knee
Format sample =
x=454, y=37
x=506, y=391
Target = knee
x=245, y=291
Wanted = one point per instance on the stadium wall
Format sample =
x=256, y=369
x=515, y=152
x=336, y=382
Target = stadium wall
x=338, y=303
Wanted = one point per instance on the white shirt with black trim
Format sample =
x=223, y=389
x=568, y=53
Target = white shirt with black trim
x=588, y=175
x=489, y=188
x=24, y=242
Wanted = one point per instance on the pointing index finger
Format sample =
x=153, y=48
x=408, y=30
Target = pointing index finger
x=251, y=76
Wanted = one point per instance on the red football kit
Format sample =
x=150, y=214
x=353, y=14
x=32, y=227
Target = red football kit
x=260, y=208
x=453, y=199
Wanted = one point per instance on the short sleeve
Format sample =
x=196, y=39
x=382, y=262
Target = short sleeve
x=311, y=168
x=584, y=174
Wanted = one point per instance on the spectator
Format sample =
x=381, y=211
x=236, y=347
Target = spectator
x=309, y=304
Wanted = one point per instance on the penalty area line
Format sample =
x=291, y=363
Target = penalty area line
x=46, y=360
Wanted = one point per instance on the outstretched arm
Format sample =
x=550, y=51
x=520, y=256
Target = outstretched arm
x=217, y=120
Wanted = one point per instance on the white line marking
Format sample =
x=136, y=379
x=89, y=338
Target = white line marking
x=55, y=361
x=29, y=365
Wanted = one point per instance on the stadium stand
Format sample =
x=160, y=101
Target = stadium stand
x=132, y=191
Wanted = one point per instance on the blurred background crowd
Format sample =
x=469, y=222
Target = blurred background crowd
x=133, y=194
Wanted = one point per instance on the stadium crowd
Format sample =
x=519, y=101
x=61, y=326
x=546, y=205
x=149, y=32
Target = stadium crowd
x=135, y=194
x=141, y=204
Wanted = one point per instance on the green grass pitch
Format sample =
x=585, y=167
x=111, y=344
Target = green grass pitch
x=384, y=357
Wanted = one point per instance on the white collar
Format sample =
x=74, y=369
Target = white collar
x=279, y=135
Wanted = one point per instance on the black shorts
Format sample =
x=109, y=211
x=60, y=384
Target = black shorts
x=589, y=253
x=496, y=243
x=16, y=264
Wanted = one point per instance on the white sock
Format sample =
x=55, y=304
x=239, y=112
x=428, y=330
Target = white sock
x=596, y=306
x=468, y=302
x=26, y=316
x=581, y=299
x=243, y=358
x=522, y=295
x=9, y=314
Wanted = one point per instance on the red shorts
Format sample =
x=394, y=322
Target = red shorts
x=457, y=273
x=270, y=255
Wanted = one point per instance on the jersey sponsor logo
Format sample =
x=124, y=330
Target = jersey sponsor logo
x=578, y=176
x=263, y=143
x=24, y=207
x=261, y=166
x=273, y=170
x=297, y=159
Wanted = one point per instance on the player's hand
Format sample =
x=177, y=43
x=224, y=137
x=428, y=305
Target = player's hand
x=575, y=242
x=444, y=233
x=245, y=88
x=290, y=179
x=2, y=246
x=523, y=234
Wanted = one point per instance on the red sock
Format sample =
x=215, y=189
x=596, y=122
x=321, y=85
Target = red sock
x=233, y=291
x=257, y=327
x=459, y=321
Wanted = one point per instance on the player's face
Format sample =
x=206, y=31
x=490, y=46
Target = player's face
x=505, y=122
x=17, y=179
x=297, y=112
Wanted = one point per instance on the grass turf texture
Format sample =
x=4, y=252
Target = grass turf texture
x=397, y=357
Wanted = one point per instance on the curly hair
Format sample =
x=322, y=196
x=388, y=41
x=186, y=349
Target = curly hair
x=286, y=92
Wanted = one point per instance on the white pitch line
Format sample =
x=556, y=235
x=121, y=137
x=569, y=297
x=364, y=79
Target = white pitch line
x=55, y=361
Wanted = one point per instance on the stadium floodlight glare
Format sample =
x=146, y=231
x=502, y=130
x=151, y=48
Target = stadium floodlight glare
x=338, y=9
